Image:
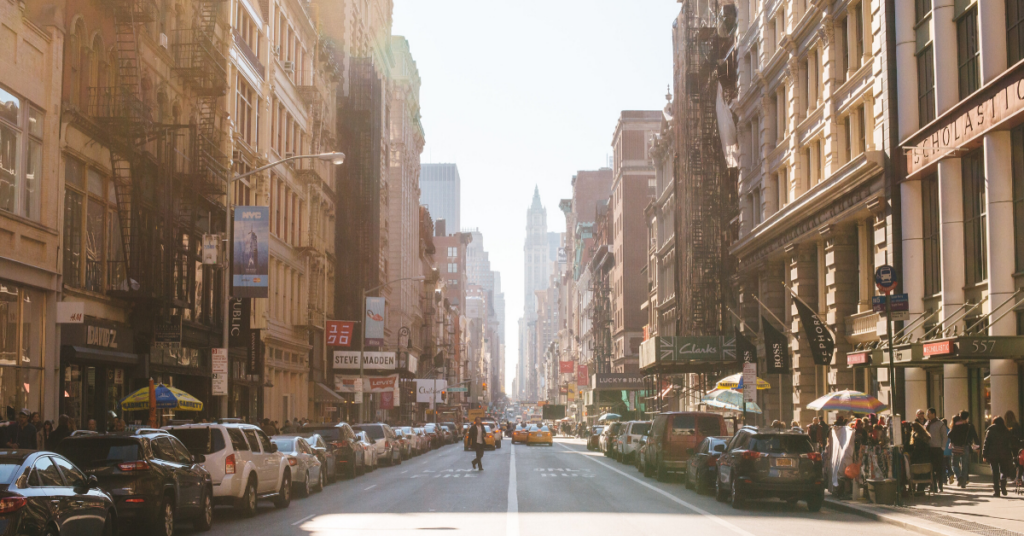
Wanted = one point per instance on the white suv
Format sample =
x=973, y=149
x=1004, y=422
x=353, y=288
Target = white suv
x=385, y=442
x=242, y=461
x=633, y=431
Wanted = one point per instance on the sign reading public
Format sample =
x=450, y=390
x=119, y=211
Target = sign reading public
x=250, y=261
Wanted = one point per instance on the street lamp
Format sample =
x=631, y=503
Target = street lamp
x=335, y=158
x=362, y=334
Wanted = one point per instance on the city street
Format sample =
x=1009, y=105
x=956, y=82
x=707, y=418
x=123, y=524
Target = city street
x=562, y=489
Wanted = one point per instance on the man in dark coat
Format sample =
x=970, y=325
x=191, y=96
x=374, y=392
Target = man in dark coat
x=476, y=442
x=23, y=434
x=998, y=452
x=63, y=430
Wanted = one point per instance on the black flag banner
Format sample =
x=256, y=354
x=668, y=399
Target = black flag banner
x=822, y=344
x=777, y=347
x=746, y=352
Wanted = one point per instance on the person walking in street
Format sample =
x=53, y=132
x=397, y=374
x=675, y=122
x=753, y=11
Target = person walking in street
x=476, y=439
x=936, y=446
x=963, y=438
x=1016, y=439
x=998, y=451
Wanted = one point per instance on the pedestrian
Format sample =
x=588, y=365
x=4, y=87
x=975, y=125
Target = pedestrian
x=947, y=455
x=43, y=436
x=796, y=427
x=1016, y=439
x=287, y=427
x=936, y=446
x=92, y=425
x=962, y=438
x=920, y=417
x=997, y=452
x=476, y=439
x=22, y=435
x=63, y=430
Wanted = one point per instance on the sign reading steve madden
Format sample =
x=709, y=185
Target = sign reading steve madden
x=371, y=360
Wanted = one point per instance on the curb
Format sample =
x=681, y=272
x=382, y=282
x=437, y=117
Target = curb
x=909, y=523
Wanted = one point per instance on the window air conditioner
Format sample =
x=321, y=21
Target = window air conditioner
x=163, y=40
x=288, y=66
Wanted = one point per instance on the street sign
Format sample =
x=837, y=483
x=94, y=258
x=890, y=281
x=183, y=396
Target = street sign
x=899, y=302
x=885, y=278
x=750, y=382
x=457, y=389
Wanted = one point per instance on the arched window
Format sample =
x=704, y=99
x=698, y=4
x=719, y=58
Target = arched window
x=74, y=62
x=99, y=59
x=84, y=72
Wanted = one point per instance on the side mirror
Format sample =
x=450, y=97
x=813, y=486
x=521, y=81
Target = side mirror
x=690, y=452
x=273, y=448
x=199, y=458
x=92, y=482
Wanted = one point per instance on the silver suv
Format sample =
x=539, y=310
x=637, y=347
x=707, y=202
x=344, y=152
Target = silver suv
x=385, y=442
x=243, y=463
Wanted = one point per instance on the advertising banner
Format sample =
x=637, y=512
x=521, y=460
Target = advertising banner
x=211, y=245
x=777, y=347
x=349, y=384
x=572, y=392
x=250, y=252
x=374, y=322
x=254, y=347
x=381, y=384
x=821, y=341
x=746, y=352
x=339, y=333
x=582, y=376
x=424, y=388
x=387, y=400
x=241, y=314
x=566, y=367
x=371, y=360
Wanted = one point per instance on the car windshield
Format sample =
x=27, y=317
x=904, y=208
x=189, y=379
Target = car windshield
x=203, y=440
x=598, y=430
x=640, y=428
x=105, y=452
x=781, y=444
x=284, y=444
x=376, y=432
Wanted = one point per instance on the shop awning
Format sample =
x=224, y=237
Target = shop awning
x=324, y=394
x=95, y=354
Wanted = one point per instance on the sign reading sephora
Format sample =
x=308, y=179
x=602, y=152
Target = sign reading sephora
x=371, y=360
x=623, y=381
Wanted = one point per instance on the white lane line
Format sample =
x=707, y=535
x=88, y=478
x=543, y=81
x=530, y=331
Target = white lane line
x=303, y=520
x=369, y=488
x=403, y=472
x=512, y=519
x=668, y=495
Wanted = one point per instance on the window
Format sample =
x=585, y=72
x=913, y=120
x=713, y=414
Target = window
x=453, y=267
x=783, y=187
x=975, y=216
x=926, y=85
x=755, y=206
x=246, y=112
x=264, y=440
x=72, y=475
x=453, y=251
x=48, y=473
x=21, y=156
x=848, y=132
x=93, y=253
x=931, y=226
x=858, y=38
x=254, y=441
x=844, y=49
x=1017, y=158
x=967, y=52
x=1014, y=31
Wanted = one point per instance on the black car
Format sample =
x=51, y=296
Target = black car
x=702, y=467
x=340, y=441
x=152, y=477
x=770, y=463
x=43, y=491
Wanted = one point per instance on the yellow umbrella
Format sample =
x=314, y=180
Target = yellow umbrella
x=736, y=382
x=166, y=398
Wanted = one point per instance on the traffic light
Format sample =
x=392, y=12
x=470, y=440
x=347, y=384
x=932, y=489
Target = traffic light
x=444, y=396
x=485, y=386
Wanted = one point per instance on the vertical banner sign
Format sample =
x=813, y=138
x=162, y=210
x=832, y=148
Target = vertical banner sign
x=822, y=344
x=572, y=392
x=750, y=382
x=374, y=322
x=210, y=248
x=582, y=376
x=241, y=314
x=250, y=252
x=220, y=372
x=339, y=333
x=776, y=347
x=254, y=348
x=746, y=352
x=566, y=367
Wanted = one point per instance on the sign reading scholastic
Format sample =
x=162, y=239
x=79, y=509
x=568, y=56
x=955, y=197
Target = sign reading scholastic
x=371, y=360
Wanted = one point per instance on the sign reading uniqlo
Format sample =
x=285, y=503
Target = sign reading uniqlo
x=339, y=333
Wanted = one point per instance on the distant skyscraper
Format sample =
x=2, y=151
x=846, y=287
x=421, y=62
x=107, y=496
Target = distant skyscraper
x=537, y=253
x=440, y=191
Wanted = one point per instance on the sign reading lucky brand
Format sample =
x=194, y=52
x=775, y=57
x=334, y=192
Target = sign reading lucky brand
x=250, y=263
x=624, y=381
x=371, y=360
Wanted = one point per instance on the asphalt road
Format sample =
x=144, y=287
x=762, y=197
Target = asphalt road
x=524, y=490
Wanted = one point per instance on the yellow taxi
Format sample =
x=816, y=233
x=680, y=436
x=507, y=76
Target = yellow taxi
x=539, y=435
x=488, y=438
x=520, y=434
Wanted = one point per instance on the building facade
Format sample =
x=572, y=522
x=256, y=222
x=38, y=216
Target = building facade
x=441, y=192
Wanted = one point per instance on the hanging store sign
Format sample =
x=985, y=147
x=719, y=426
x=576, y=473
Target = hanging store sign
x=70, y=312
x=424, y=388
x=167, y=333
x=254, y=354
x=858, y=358
x=371, y=360
x=374, y=322
x=211, y=249
x=687, y=351
x=339, y=333
x=349, y=384
x=622, y=381
x=381, y=384
x=975, y=347
x=776, y=347
x=99, y=334
x=250, y=250
x=566, y=367
x=241, y=327
x=582, y=378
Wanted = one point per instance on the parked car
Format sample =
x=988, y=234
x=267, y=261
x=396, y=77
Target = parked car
x=607, y=440
x=339, y=438
x=453, y=432
x=630, y=439
x=595, y=435
x=385, y=442
x=367, y=451
x=640, y=460
x=410, y=439
x=328, y=462
x=435, y=434
x=404, y=443
x=672, y=436
x=244, y=464
x=424, y=439
x=770, y=463
x=42, y=489
x=702, y=467
x=307, y=475
x=153, y=478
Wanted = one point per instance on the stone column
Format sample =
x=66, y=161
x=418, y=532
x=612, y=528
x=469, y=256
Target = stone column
x=992, y=16
x=842, y=295
x=916, y=381
x=778, y=400
x=912, y=263
x=954, y=389
x=951, y=217
x=947, y=92
x=803, y=278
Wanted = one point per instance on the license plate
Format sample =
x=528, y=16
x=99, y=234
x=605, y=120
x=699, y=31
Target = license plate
x=785, y=462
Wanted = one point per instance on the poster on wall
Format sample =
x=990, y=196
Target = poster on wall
x=250, y=252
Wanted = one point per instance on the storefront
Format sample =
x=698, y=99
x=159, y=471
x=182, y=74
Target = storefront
x=185, y=366
x=97, y=363
x=22, y=357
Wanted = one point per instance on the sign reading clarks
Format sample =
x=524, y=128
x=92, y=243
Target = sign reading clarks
x=371, y=360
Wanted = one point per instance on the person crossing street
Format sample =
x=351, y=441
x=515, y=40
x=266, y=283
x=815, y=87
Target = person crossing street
x=476, y=439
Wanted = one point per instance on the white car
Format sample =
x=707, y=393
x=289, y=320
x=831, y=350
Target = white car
x=634, y=431
x=369, y=452
x=243, y=463
x=385, y=442
x=307, y=476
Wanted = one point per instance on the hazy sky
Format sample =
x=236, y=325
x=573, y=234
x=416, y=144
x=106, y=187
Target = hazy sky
x=526, y=93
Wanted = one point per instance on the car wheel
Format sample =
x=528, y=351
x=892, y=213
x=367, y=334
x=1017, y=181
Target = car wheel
x=50, y=531
x=109, y=526
x=662, y=473
x=284, y=495
x=737, y=497
x=305, y=489
x=398, y=461
x=497, y=445
x=247, y=503
x=648, y=470
x=163, y=524
x=687, y=481
x=814, y=502
x=321, y=480
x=204, y=521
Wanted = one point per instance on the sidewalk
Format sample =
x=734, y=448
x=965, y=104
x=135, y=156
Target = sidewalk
x=954, y=512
